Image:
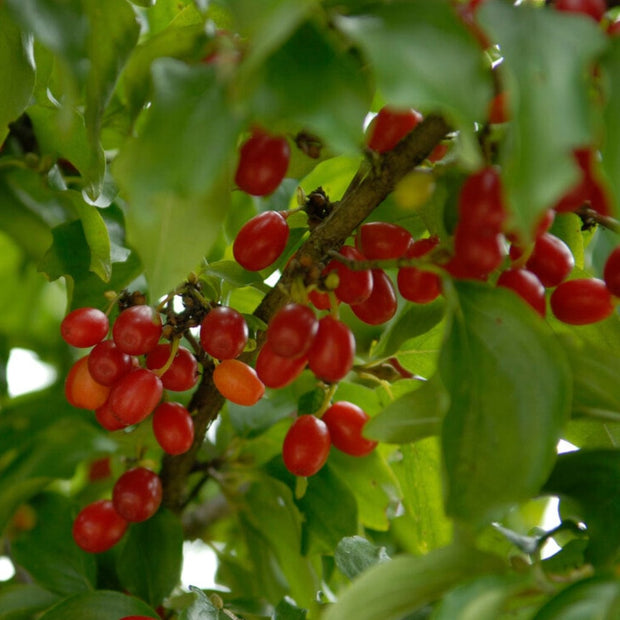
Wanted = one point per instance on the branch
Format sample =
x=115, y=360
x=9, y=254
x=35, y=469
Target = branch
x=370, y=186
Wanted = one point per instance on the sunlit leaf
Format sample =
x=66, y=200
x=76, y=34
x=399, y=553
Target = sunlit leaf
x=355, y=554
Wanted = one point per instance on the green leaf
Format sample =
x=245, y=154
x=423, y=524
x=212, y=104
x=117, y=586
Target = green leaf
x=19, y=600
x=287, y=611
x=408, y=583
x=151, y=571
x=48, y=551
x=509, y=387
x=355, y=554
x=550, y=102
x=590, y=479
x=412, y=416
x=324, y=525
x=176, y=193
x=372, y=483
x=423, y=56
x=16, y=70
x=597, y=597
x=98, y=605
x=201, y=608
x=420, y=476
x=330, y=72
x=610, y=67
x=480, y=599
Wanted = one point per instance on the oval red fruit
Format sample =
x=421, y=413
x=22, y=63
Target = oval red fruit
x=137, y=330
x=345, y=422
x=183, y=371
x=332, y=352
x=354, y=286
x=107, y=363
x=135, y=395
x=611, y=272
x=527, y=285
x=551, y=260
x=291, y=330
x=581, y=301
x=223, y=333
x=261, y=240
x=381, y=306
x=389, y=127
x=306, y=446
x=137, y=494
x=238, y=382
x=84, y=327
x=98, y=527
x=173, y=428
x=276, y=371
x=382, y=240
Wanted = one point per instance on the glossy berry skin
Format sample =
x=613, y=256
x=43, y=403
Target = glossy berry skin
x=223, y=333
x=107, y=418
x=389, y=127
x=81, y=390
x=238, y=382
x=320, y=299
x=183, y=372
x=551, y=260
x=292, y=330
x=261, y=240
x=480, y=203
x=611, y=272
x=581, y=301
x=345, y=422
x=98, y=527
x=527, y=285
x=107, y=363
x=137, y=330
x=276, y=371
x=84, y=327
x=593, y=8
x=381, y=306
x=479, y=251
x=418, y=285
x=137, y=494
x=382, y=240
x=263, y=162
x=332, y=352
x=306, y=446
x=135, y=395
x=173, y=428
x=354, y=286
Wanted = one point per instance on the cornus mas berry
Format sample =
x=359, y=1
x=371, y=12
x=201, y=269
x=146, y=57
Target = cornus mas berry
x=306, y=446
x=382, y=240
x=261, y=240
x=291, y=330
x=345, y=422
x=182, y=373
x=381, y=306
x=137, y=494
x=263, y=162
x=593, y=8
x=581, y=301
x=84, y=327
x=173, y=427
x=611, y=272
x=238, y=382
x=354, y=286
x=389, y=127
x=223, y=333
x=137, y=330
x=98, y=527
x=333, y=350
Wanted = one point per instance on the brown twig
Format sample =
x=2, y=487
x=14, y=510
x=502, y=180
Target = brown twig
x=370, y=187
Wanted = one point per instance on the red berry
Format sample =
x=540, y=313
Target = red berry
x=173, y=428
x=238, y=382
x=223, y=333
x=613, y=29
x=581, y=301
x=137, y=330
x=498, y=108
x=99, y=469
x=276, y=371
x=107, y=363
x=418, y=285
x=84, y=327
x=527, y=285
x=551, y=260
x=389, y=127
x=292, y=330
x=137, y=494
x=382, y=240
x=107, y=418
x=481, y=205
x=354, y=286
x=183, y=371
x=381, y=306
x=345, y=422
x=261, y=240
x=320, y=300
x=263, y=163
x=98, y=527
x=333, y=350
x=611, y=272
x=593, y=8
x=135, y=395
x=306, y=446
x=479, y=251
x=81, y=390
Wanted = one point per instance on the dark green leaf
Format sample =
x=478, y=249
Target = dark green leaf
x=408, y=583
x=509, y=387
x=99, y=605
x=312, y=61
x=611, y=144
x=550, y=104
x=250, y=421
x=48, y=551
x=149, y=564
x=355, y=554
x=19, y=600
x=597, y=597
x=288, y=611
x=15, y=69
x=423, y=57
x=412, y=416
x=590, y=479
